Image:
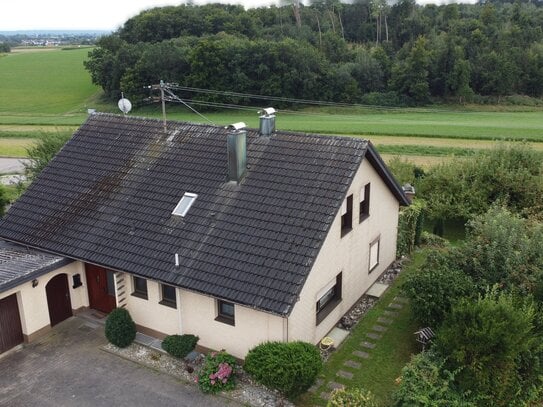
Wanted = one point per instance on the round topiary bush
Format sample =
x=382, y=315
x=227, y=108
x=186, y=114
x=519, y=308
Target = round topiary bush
x=351, y=398
x=179, y=345
x=120, y=328
x=289, y=367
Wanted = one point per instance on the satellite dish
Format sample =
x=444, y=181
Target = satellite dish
x=124, y=105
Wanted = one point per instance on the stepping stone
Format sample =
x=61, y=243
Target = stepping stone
x=401, y=299
x=376, y=290
x=373, y=335
x=395, y=305
x=367, y=345
x=361, y=354
x=325, y=396
x=352, y=363
x=379, y=328
x=391, y=314
x=344, y=374
x=383, y=320
x=334, y=385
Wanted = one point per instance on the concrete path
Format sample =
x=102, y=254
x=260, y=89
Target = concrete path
x=12, y=165
x=67, y=368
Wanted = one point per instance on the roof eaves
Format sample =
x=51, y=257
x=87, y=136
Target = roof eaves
x=379, y=165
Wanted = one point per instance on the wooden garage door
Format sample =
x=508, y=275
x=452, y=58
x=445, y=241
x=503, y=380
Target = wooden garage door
x=58, y=299
x=11, y=332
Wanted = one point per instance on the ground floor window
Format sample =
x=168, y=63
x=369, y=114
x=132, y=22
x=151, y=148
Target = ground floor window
x=226, y=312
x=168, y=296
x=140, y=287
x=328, y=298
x=374, y=254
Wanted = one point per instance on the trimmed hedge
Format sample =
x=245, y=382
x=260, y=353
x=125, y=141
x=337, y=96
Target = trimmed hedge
x=289, y=367
x=179, y=345
x=120, y=328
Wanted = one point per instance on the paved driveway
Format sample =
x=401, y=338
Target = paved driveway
x=67, y=368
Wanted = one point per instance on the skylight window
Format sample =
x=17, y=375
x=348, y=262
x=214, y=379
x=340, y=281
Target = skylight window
x=184, y=204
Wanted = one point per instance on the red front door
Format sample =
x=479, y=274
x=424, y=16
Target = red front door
x=101, y=288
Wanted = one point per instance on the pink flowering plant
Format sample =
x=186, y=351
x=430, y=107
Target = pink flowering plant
x=218, y=372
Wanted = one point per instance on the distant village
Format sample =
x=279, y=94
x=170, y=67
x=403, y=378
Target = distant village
x=49, y=38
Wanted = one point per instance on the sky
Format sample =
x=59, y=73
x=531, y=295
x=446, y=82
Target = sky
x=83, y=15
x=91, y=14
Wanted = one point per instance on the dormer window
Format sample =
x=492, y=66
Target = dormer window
x=184, y=204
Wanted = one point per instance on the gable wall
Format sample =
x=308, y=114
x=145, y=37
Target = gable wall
x=349, y=255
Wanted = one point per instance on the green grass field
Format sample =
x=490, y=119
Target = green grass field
x=51, y=92
x=44, y=85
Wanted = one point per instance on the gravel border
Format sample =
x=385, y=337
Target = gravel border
x=247, y=392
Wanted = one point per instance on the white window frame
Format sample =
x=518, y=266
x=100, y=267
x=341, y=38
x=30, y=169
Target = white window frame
x=184, y=204
x=374, y=251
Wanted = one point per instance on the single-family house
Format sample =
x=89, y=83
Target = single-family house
x=236, y=235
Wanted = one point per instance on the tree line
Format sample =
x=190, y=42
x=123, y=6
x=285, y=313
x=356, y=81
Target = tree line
x=365, y=52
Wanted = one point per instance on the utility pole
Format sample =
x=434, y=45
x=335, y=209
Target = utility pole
x=160, y=87
x=166, y=94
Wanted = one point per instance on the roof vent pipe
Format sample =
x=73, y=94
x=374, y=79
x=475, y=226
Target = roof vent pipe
x=236, y=147
x=267, y=121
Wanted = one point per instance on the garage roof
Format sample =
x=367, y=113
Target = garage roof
x=19, y=264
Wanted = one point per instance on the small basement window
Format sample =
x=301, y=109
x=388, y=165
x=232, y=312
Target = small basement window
x=184, y=204
x=168, y=296
x=226, y=312
x=140, y=287
x=374, y=254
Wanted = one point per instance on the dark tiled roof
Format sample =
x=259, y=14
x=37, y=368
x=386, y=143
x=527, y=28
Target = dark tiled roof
x=107, y=198
x=20, y=264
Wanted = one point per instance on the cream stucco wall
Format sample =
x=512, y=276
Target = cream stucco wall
x=149, y=313
x=348, y=255
x=252, y=327
x=32, y=302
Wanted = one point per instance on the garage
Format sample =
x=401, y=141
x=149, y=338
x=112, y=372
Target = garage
x=11, y=331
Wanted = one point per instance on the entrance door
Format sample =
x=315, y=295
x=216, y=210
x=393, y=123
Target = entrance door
x=101, y=288
x=58, y=299
x=11, y=332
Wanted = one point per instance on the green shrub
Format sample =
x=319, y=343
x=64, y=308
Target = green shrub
x=426, y=383
x=352, y=398
x=410, y=226
x=179, y=345
x=289, y=367
x=436, y=287
x=218, y=373
x=120, y=328
x=493, y=344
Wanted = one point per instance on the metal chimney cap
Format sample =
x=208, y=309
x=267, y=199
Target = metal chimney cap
x=236, y=126
x=268, y=111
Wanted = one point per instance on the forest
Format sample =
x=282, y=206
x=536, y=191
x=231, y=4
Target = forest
x=367, y=52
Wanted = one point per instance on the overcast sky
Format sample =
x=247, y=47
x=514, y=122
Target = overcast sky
x=87, y=15
x=81, y=15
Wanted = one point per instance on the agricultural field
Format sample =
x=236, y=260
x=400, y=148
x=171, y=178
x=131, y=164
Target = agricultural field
x=51, y=91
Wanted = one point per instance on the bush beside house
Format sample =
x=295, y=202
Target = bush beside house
x=289, y=367
x=179, y=346
x=120, y=328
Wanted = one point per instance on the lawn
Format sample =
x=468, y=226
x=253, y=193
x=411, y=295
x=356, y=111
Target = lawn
x=44, y=85
x=392, y=352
